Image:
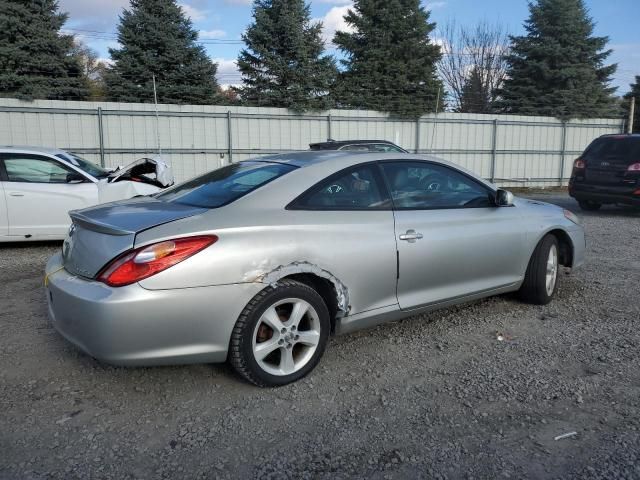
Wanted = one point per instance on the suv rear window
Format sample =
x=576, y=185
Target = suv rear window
x=623, y=148
x=225, y=185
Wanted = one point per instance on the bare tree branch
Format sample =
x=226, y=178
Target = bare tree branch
x=480, y=49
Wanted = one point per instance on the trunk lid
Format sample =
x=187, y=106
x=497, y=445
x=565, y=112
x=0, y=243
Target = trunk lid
x=99, y=234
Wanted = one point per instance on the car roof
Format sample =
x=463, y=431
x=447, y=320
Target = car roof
x=341, y=143
x=620, y=135
x=25, y=148
x=335, y=160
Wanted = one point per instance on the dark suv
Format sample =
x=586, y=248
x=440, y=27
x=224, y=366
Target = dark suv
x=607, y=172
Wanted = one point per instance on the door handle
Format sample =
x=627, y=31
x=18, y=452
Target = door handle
x=411, y=236
x=16, y=194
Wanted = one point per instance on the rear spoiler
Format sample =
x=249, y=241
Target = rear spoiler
x=91, y=224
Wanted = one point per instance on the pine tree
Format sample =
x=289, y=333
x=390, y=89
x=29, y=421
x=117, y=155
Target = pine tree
x=157, y=38
x=475, y=97
x=283, y=64
x=390, y=62
x=558, y=68
x=634, y=92
x=36, y=60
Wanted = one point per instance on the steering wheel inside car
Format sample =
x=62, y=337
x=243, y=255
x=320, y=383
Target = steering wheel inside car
x=335, y=188
x=434, y=183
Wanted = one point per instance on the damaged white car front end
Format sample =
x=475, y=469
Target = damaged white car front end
x=40, y=186
x=142, y=177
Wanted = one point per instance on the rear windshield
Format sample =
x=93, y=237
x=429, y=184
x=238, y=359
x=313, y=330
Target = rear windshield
x=223, y=186
x=622, y=148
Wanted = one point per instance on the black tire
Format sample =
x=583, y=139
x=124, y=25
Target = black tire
x=589, y=205
x=241, y=355
x=534, y=287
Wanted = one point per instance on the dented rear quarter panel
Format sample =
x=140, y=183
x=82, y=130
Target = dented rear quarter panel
x=261, y=241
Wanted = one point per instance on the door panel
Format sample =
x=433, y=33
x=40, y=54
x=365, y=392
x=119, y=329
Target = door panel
x=452, y=239
x=4, y=220
x=38, y=196
x=461, y=252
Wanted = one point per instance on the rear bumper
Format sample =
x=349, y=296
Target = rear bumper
x=134, y=326
x=605, y=194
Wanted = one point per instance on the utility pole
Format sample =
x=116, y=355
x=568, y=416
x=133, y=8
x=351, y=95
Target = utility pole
x=155, y=100
x=435, y=122
x=632, y=112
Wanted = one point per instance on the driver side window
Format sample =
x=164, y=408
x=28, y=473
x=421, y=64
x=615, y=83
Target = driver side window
x=423, y=185
x=354, y=189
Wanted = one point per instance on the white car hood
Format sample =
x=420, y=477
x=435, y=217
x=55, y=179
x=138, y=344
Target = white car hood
x=155, y=165
x=111, y=192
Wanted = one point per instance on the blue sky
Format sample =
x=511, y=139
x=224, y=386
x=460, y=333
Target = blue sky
x=221, y=22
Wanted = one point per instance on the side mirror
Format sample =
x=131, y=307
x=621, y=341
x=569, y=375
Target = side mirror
x=504, y=198
x=75, y=178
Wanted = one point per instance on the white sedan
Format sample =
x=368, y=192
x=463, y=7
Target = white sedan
x=39, y=186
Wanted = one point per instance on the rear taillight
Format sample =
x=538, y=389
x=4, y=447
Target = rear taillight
x=634, y=167
x=146, y=261
x=579, y=164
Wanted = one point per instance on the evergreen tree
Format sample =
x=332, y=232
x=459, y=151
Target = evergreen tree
x=157, y=38
x=390, y=62
x=283, y=63
x=634, y=92
x=558, y=68
x=36, y=60
x=475, y=96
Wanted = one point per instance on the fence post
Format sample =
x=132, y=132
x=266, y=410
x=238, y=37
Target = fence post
x=229, y=137
x=494, y=144
x=563, y=152
x=418, y=135
x=101, y=136
x=329, y=127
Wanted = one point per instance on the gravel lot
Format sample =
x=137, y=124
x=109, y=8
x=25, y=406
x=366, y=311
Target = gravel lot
x=434, y=396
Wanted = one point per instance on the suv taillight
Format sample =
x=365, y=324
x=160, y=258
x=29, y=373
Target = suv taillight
x=634, y=167
x=579, y=164
x=146, y=261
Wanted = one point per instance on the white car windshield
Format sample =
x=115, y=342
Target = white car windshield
x=90, y=168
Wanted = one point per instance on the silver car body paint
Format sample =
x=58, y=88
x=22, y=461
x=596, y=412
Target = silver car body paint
x=186, y=313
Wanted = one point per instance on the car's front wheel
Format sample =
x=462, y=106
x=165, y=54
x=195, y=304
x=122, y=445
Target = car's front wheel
x=280, y=335
x=589, y=205
x=541, y=279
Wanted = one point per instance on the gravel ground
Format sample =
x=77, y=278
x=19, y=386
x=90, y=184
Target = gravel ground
x=434, y=396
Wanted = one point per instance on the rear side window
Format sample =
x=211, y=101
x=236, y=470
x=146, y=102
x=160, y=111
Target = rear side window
x=224, y=185
x=615, y=148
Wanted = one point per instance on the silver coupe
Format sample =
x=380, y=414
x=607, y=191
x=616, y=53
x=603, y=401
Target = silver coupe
x=259, y=262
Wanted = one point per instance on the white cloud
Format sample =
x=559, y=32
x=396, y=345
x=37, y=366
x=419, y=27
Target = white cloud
x=435, y=5
x=195, y=14
x=204, y=34
x=238, y=2
x=228, y=73
x=93, y=8
x=334, y=2
x=334, y=21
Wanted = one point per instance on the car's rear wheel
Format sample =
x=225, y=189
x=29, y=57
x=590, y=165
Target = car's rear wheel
x=589, y=205
x=280, y=335
x=541, y=279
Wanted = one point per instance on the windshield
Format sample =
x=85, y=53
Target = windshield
x=223, y=186
x=85, y=165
